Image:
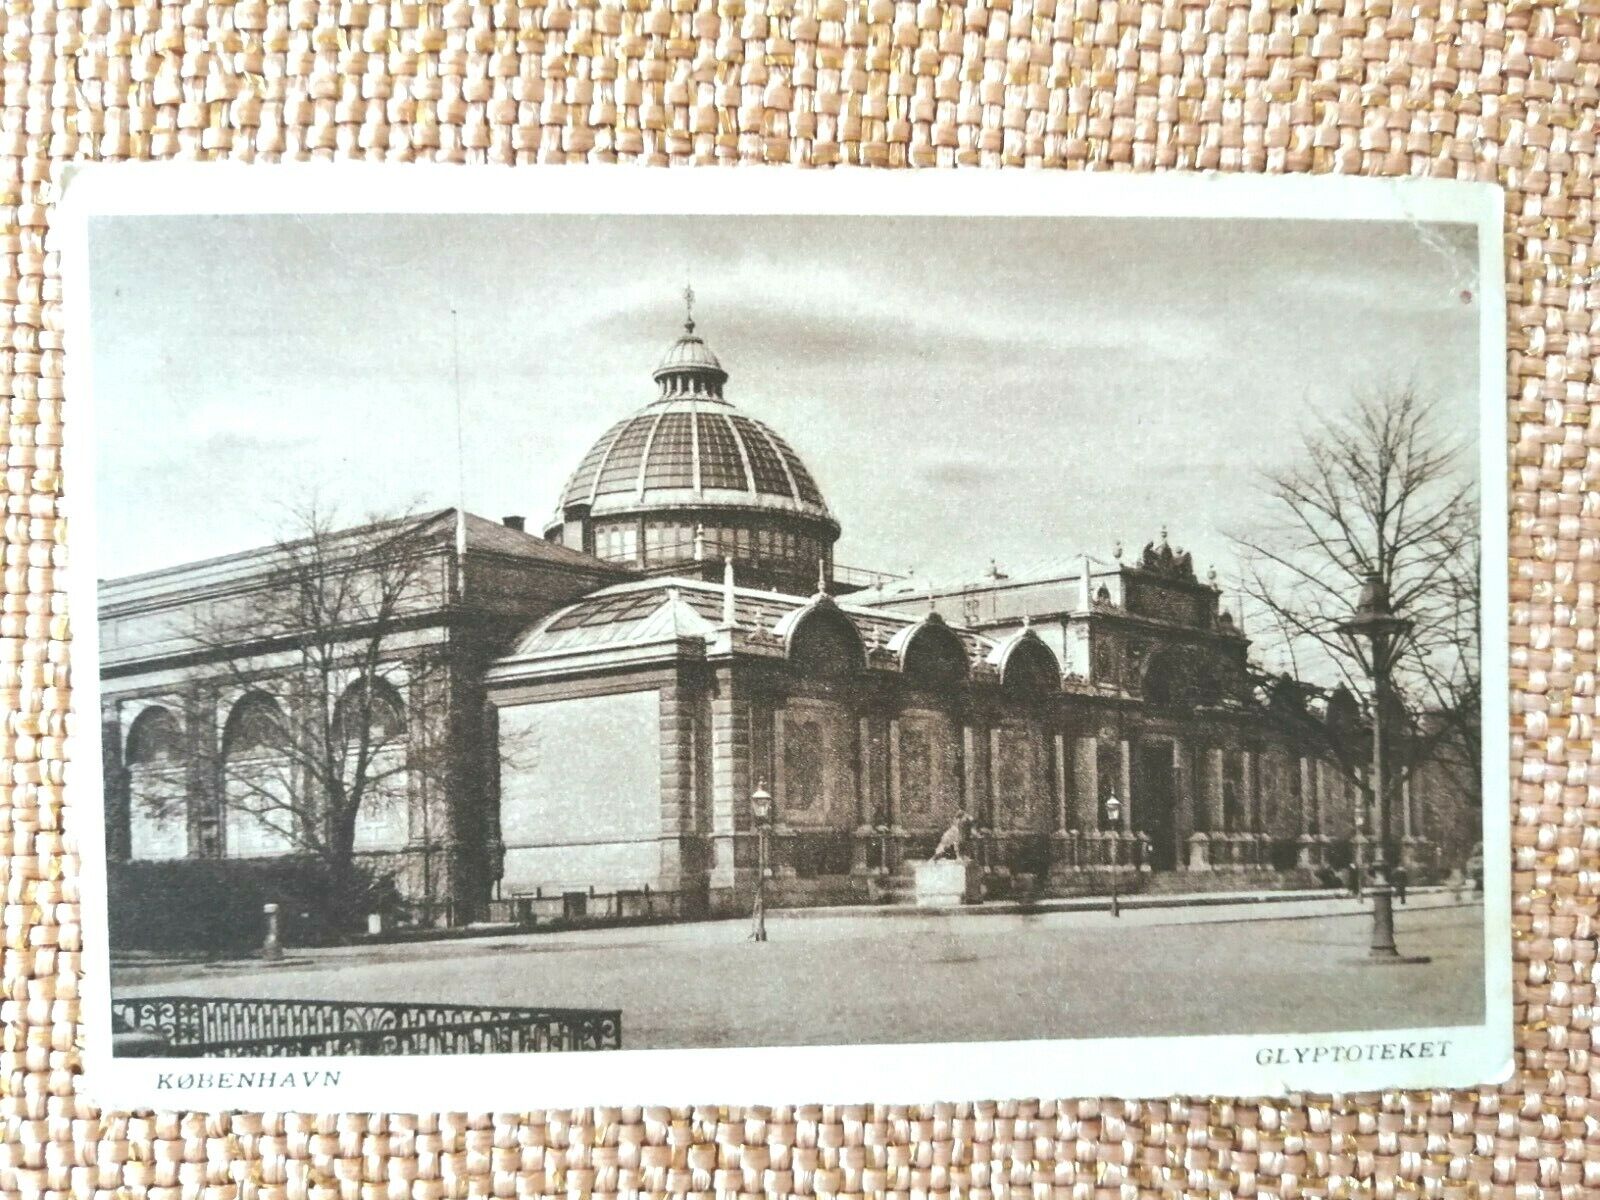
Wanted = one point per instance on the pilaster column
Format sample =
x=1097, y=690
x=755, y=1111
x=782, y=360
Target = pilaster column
x=732, y=861
x=1409, y=841
x=1125, y=783
x=118, y=787
x=872, y=799
x=975, y=786
x=1182, y=798
x=1002, y=809
x=1216, y=789
x=1250, y=781
x=886, y=755
x=1306, y=855
x=204, y=780
x=678, y=751
x=1058, y=759
x=1085, y=784
x=1063, y=847
x=1307, y=795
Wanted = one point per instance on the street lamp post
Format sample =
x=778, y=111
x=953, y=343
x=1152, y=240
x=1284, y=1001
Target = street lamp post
x=1377, y=638
x=761, y=811
x=1113, y=814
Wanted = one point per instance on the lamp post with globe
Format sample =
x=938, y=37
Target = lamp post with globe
x=761, y=812
x=1377, y=637
x=1113, y=815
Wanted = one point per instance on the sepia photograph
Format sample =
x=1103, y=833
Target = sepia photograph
x=675, y=624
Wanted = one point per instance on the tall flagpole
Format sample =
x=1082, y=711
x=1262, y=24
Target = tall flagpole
x=461, y=462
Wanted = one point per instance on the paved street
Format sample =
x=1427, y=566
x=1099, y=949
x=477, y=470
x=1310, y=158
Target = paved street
x=874, y=978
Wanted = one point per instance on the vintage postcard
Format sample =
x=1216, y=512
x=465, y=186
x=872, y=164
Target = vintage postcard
x=574, y=636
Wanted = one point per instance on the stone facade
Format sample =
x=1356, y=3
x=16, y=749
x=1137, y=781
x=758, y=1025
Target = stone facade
x=599, y=705
x=176, y=706
x=873, y=730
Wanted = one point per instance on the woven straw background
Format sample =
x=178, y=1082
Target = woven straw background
x=1473, y=90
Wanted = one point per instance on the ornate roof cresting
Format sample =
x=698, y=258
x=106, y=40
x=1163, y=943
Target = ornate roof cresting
x=1164, y=560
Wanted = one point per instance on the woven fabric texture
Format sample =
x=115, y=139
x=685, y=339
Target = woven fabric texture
x=1468, y=90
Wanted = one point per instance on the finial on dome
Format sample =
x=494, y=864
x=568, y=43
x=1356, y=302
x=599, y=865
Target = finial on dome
x=688, y=307
x=1116, y=551
x=1163, y=533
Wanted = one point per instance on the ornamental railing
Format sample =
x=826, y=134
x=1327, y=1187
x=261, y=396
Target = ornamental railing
x=197, y=1027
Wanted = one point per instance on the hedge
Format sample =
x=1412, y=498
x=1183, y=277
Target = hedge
x=214, y=906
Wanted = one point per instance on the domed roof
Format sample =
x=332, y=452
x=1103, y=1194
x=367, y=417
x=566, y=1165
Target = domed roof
x=691, y=448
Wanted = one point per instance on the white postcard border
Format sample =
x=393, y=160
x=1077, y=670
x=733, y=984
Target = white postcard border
x=1269, y=1064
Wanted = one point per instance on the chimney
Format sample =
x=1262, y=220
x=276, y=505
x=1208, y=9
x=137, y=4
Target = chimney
x=520, y=524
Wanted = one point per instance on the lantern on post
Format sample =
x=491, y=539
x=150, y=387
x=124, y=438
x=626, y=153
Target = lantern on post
x=1377, y=637
x=761, y=813
x=1113, y=817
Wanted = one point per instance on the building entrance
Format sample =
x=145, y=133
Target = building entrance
x=1154, y=815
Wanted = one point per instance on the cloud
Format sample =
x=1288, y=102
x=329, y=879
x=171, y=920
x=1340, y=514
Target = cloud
x=1073, y=383
x=963, y=473
x=247, y=423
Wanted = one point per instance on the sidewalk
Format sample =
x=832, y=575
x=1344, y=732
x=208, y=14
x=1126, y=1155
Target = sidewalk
x=1247, y=967
x=1419, y=897
x=813, y=924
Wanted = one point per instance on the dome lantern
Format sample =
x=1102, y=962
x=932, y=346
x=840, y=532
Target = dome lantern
x=689, y=369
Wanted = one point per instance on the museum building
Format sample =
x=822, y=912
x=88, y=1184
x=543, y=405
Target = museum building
x=614, y=692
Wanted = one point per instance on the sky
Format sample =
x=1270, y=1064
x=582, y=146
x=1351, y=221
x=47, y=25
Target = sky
x=964, y=389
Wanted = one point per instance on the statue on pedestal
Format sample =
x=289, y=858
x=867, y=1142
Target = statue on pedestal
x=953, y=842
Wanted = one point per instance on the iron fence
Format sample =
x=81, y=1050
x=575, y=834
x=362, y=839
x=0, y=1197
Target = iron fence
x=577, y=908
x=199, y=1027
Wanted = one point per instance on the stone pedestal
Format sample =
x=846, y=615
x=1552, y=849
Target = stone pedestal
x=1309, y=853
x=1199, y=852
x=945, y=883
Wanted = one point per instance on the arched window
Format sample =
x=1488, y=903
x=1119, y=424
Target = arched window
x=1030, y=669
x=262, y=806
x=824, y=642
x=379, y=705
x=154, y=739
x=158, y=810
x=255, y=727
x=934, y=656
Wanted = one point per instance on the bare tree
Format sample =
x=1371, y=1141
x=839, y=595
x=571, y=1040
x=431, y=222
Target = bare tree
x=1382, y=489
x=321, y=658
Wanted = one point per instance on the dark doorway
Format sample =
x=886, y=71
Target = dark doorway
x=1153, y=813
